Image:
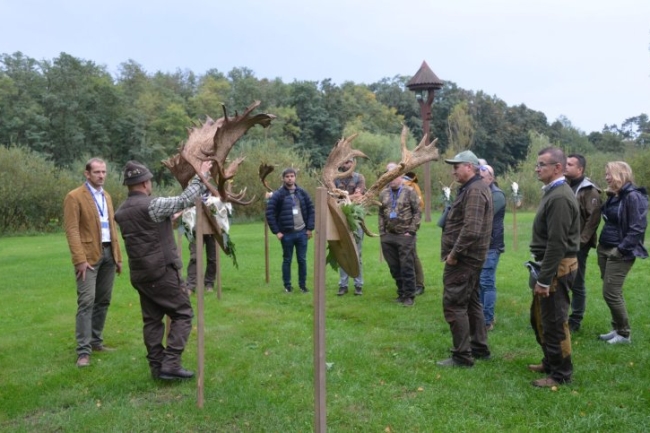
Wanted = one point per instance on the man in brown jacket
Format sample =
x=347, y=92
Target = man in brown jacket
x=588, y=195
x=465, y=240
x=93, y=241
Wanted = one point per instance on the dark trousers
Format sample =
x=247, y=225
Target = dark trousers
x=419, y=271
x=549, y=319
x=211, y=268
x=157, y=299
x=399, y=252
x=297, y=240
x=578, y=290
x=464, y=312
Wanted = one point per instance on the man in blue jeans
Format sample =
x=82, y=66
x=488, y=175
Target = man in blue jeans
x=290, y=215
x=487, y=279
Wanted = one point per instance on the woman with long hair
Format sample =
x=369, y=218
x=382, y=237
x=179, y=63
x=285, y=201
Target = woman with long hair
x=620, y=243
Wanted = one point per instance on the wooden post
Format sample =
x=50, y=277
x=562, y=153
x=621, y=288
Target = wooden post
x=218, y=266
x=266, y=250
x=320, y=244
x=199, y=300
x=514, y=225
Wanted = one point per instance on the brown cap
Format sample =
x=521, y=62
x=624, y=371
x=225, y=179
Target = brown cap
x=135, y=173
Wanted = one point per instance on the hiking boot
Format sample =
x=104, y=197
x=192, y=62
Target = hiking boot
x=358, y=291
x=83, y=360
x=342, y=291
x=178, y=373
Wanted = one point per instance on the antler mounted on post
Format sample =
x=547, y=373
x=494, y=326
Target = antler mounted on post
x=214, y=139
x=344, y=248
x=423, y=153
x=341, y=152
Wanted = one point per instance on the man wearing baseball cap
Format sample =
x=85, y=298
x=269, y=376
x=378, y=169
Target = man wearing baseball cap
x=465, y=242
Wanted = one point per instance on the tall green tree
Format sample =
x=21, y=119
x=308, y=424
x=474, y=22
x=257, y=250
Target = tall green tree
x=22, y=118
x=80, y=103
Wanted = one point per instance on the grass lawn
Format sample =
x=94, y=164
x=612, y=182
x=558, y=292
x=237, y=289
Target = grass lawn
x=383, y=375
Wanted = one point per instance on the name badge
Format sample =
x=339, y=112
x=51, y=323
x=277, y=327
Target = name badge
x=392, y=215
x=104, y=224
x=295, y=211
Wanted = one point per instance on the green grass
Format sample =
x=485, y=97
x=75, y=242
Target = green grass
x=259, y=353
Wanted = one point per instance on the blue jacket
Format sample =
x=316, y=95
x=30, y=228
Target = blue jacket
x=279, y=210
x=631, y=210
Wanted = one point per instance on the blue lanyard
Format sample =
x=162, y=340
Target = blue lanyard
x=555, y=184
x=99, y=209
x=395, y=197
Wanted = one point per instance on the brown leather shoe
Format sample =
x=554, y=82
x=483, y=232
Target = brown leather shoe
x=546, y=382
x=537, y=368
x=103, y=348
x=83, y=360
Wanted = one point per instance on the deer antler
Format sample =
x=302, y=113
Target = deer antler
x=263, y=172
x=341, y=152
x=423, y=153
x=214, y=139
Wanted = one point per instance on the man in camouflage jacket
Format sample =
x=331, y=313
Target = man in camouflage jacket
x=399, y=219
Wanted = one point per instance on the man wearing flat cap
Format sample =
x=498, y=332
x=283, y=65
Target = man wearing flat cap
x=155, y=265
x=465, y=241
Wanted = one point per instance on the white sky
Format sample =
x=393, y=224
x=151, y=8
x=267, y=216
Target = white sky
x=588, y=60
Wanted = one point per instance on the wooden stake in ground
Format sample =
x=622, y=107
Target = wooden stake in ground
x=266, y=251
x=218, y=266
x=514, y=226
x=199, y=301
x=320, y=244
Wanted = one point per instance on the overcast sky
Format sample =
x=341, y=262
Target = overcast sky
x=588, y=60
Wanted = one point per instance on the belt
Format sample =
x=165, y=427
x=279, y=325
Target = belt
x=106, y=244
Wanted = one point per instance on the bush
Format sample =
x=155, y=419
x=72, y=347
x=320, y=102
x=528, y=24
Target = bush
x=32, y=189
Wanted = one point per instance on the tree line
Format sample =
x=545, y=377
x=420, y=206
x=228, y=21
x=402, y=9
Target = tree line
x=67, y=109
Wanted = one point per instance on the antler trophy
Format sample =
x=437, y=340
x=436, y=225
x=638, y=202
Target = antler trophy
x=344, y=249
x=213, y=140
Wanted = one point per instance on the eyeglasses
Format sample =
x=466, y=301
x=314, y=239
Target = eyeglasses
x=544, y=164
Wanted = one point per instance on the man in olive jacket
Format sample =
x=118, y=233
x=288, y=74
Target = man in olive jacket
x=465, y=240
x=95, y=250
x=554, y=245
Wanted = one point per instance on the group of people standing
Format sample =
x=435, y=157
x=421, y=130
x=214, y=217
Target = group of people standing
x=154, y=263
x=564, y=230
